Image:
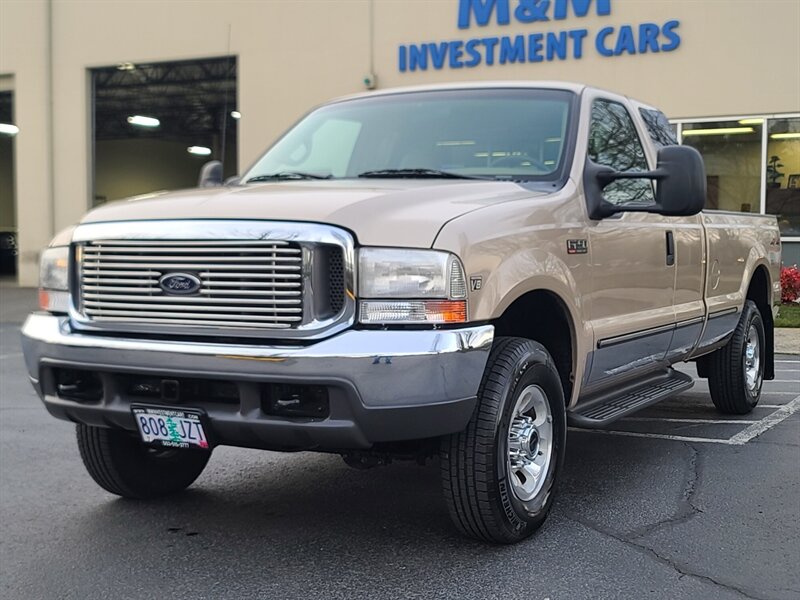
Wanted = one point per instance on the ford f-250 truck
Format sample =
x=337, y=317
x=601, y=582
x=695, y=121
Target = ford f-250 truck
x=454, y=271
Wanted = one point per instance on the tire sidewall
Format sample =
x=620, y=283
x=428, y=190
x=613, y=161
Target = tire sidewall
x=754, y=318
x=534, y=368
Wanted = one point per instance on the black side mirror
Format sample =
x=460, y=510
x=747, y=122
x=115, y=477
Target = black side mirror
x=210, y=174
x=682, y=193
x=681, y=185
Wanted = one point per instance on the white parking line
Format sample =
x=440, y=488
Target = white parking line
x=703, y=421
x=740, y=439
x=658, y=436
x=766, y=423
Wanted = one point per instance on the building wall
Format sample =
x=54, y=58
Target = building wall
x=735, y=58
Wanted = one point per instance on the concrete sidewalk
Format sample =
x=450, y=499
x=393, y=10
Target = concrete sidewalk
x=16, y=302
x=787, y=340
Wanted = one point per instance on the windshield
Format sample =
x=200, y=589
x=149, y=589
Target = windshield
x=516, y=134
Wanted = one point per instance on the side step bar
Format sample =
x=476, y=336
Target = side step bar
x=597, y=413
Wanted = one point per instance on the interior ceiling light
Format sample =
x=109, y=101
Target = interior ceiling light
x=199, y=150
x=141, y=121
x=751, y=122
x=785, y=136
x=236, y=114
x=8, y=129
x=718, y=131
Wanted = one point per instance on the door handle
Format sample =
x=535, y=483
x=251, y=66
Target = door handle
x=670, y=249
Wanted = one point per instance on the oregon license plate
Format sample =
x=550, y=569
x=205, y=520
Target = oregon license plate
x=170, y=427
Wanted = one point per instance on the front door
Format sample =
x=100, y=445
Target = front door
x=633, y=276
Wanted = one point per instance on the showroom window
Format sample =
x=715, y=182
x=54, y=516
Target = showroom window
x=752, y=164
x=156, y=124
x=732, y=154
x=8, y=219
x=783, y=174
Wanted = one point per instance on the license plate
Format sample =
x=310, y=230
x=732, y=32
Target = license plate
x=170, y=427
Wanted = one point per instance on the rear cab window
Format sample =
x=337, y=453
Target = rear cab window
x=662, y=132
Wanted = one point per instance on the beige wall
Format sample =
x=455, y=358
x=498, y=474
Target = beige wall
x=296, y=53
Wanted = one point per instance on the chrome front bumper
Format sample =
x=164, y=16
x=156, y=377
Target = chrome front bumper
x=385, y=385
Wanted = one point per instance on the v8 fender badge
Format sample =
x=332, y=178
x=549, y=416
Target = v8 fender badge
x=577, y=246
x=475, y=283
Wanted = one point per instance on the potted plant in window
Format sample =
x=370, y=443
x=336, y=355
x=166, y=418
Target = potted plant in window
x=773, y=174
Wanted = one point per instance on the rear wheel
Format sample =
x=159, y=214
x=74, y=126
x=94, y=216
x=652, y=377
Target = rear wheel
x=122, y=465
x=736, y=371
x=499, y=474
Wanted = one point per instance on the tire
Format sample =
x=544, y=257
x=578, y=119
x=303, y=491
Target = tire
x=483, y=489
x=122, y=465
x=733, y=391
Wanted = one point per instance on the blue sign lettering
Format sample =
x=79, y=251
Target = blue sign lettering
x=535, y=47
x=580, y=8
x=482, y=9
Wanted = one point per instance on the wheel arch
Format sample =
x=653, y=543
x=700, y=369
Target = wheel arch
x=544, y=316
x=759, y=290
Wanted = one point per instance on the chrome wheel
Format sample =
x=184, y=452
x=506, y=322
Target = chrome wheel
x=530, y=443
x=752, y=360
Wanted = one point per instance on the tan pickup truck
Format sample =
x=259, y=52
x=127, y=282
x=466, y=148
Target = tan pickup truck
x=456, y=271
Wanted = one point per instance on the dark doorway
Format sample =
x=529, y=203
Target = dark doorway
x=8, y=209
x=156, y=124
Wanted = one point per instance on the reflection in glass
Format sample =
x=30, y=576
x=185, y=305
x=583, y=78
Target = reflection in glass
x=613, y=142
x=783, y=174
x=732, y=155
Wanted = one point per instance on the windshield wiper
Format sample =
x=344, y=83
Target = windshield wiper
x=287, y=175
x=416, y=174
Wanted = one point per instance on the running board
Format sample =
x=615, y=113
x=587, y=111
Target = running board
x=600, y=412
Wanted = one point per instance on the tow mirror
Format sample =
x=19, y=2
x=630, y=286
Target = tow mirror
x=682, y=193
x=680, y=178
x=210, y=174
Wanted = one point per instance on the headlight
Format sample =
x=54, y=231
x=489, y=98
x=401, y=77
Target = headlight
x=411, y=286
x=53, y=280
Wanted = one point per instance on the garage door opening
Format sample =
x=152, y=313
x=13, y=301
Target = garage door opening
x=156, y=124
x=8, y=209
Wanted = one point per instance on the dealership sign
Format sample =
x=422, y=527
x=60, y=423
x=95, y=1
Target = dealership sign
x=536, y=47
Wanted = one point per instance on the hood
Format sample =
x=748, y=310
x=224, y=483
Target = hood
x=404, y=212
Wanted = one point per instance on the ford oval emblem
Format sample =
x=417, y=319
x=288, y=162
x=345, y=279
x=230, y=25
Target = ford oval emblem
x=179, y=284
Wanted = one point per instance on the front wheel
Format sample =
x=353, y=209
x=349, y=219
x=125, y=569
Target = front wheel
x=499, y=474
x=736, y=371
x=122, y=465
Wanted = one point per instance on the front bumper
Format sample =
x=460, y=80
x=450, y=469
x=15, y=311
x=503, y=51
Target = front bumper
x=383, y=385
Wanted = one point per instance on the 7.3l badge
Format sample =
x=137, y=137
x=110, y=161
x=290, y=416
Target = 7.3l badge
x=577, y=246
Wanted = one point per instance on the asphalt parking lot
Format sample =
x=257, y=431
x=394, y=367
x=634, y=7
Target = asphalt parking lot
x=677, y=502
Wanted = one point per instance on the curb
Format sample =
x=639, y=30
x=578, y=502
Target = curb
x=787, y=340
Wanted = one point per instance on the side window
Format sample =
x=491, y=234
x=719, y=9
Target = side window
x=658, y=126
x=613, y=142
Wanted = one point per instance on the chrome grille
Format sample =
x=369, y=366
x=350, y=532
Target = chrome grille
x=252, y=284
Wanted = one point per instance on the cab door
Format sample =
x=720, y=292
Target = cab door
x=633, y=257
